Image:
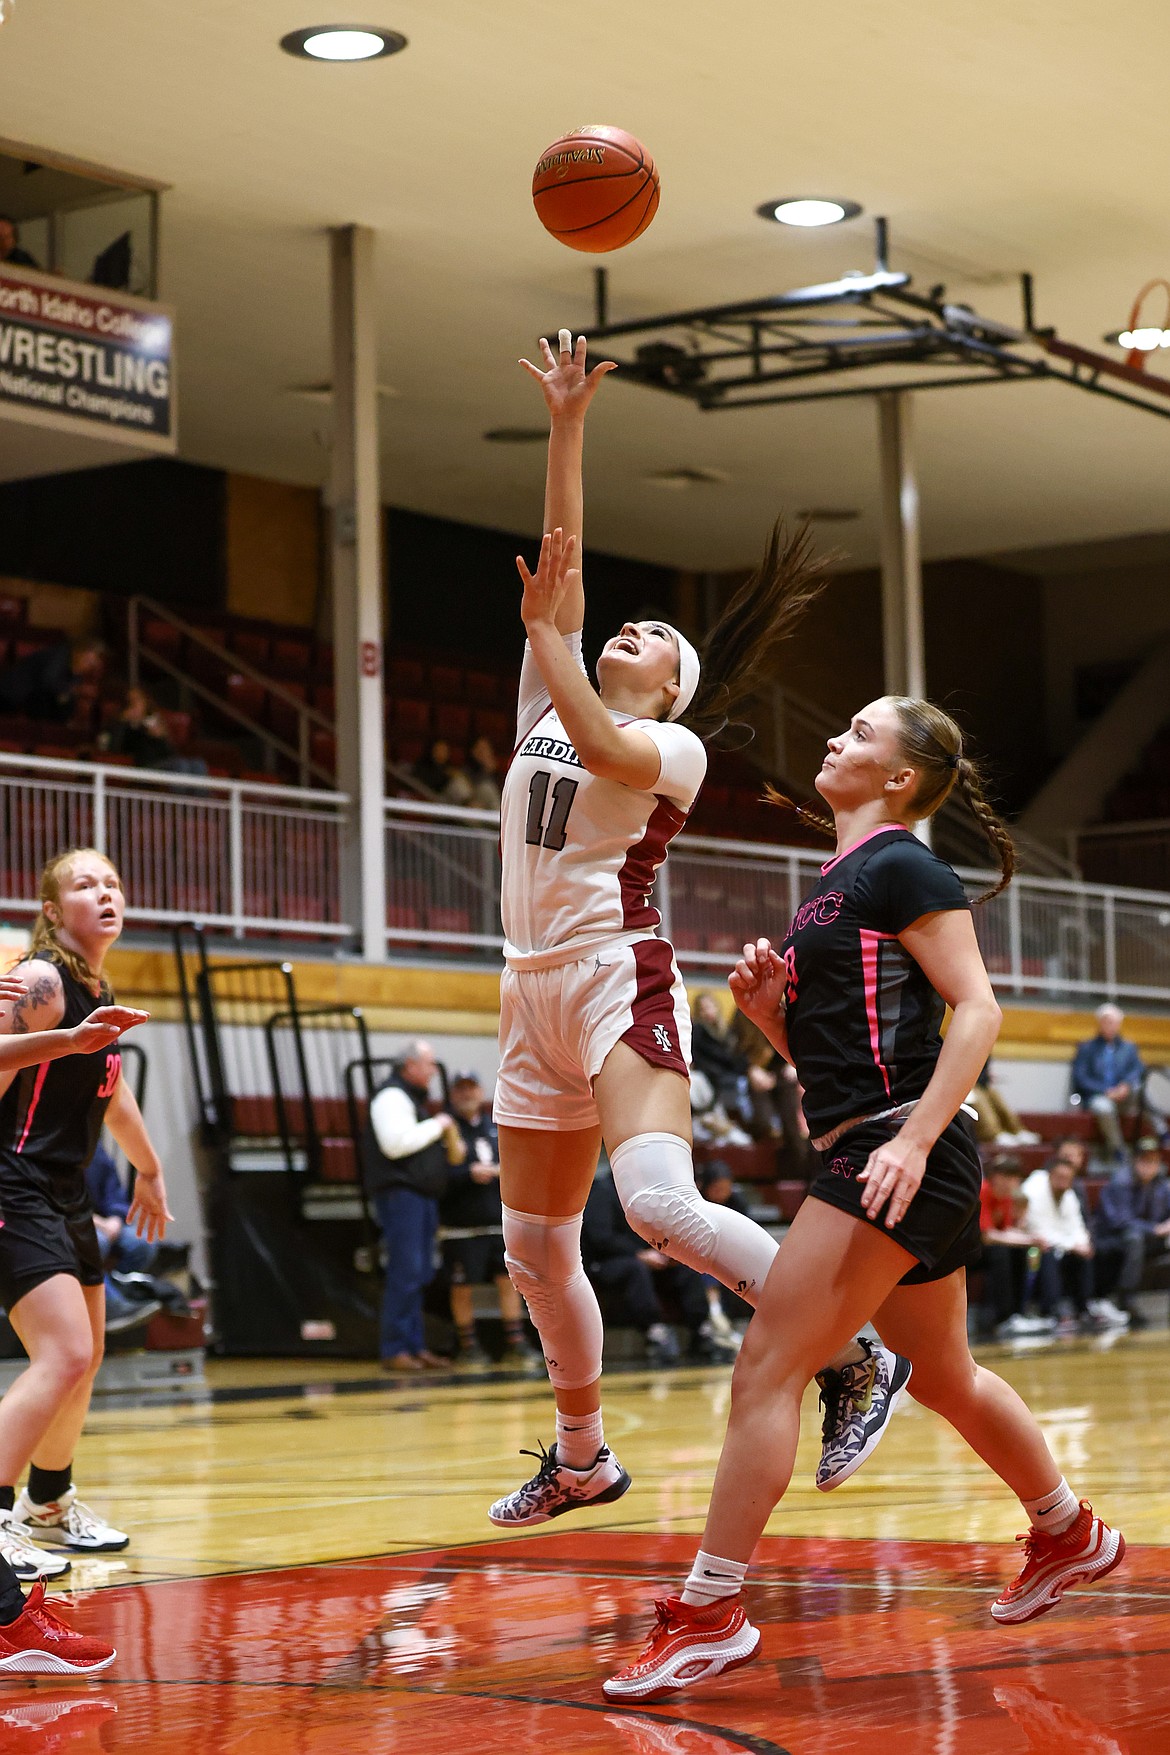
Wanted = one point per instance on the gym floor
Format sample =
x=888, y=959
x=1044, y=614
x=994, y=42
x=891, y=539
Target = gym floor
x=311, y=1570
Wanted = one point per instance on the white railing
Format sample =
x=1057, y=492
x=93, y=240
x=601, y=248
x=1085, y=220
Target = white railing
x=1046, y=937
x=231, y=854
x=246, y=857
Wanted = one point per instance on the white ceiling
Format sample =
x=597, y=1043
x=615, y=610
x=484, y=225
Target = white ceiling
x=1018, y=134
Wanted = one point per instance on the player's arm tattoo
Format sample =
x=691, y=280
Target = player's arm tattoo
x=41, y=990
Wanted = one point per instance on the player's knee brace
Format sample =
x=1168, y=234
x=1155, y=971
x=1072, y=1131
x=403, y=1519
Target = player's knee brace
x=543, y=1259
x=655, y=1180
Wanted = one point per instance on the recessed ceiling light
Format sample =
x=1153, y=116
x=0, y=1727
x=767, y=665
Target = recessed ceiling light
x=807, y=210
x=343, y=42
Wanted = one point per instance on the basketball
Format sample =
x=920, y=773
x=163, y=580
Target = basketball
x=595, y=189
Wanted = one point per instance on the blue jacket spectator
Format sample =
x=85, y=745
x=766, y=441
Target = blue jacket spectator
x=1107, y=1075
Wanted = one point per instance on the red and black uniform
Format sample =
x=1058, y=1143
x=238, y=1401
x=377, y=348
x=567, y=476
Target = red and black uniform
x=50, y=1118
x=863, y=1031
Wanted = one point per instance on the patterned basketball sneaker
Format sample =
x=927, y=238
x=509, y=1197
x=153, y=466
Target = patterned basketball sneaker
x=67, y=1523
x=687, y=1645
x=1081, y=1554
x=858, y=1401
x=37, y=1644
x=27, y=1562
x=553, y=1490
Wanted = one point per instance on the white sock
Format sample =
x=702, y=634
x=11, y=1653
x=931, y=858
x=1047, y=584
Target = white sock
x=1053, y=1512
x=579, y=1438
x=713, y=1579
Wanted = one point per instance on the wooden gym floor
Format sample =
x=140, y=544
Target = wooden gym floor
x=311, y=1571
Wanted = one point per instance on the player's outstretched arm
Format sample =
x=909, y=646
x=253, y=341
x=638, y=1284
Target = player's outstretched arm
x=568, y=390
x=28, y=1006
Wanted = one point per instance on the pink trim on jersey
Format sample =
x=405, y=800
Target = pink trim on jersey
x=837, y=857
x=636, y=876
x=870, y=944
x=33, y=1101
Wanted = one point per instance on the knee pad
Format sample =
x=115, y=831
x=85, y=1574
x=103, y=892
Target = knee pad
x=543, y=1259
x=655, y=1180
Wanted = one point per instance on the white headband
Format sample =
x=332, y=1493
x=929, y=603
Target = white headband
x=688, y=674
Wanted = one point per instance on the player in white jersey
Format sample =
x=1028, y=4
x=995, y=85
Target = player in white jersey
x=594, y=1023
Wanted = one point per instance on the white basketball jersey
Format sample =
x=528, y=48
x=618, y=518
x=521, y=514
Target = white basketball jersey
x=580, y=853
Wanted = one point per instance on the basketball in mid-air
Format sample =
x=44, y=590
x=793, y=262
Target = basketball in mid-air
x=595, y=189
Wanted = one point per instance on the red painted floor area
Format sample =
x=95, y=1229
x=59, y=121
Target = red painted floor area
x=871, y=1648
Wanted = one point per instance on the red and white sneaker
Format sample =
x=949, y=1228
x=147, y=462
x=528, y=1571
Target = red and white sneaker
x=687, y=1645
x=37, y=1644
x=1081, y=1554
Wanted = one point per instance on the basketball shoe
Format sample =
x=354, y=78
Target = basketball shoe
x=858, y=1401
x=67, y=1523
x=554, y=1489
x=27, y=1562
x=1081, y=1554
x=37, y=1644
x=686, y=1645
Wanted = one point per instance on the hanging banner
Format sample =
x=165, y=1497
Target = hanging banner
x=86, y=360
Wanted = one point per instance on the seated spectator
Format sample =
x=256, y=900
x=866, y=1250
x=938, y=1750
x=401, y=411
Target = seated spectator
x=471, y=1213
x=141, y=733
x=477, y=783
x=1131, y=1228
x=996, y=1122
x=406, y=1155
x=10, y=250
x=717, y=1054
x=435, y=772
x=1006, y=1247
x=1056, y=1221
x=47, y=684
x=123, y=1250
x=1107, y=1077
x=1074, y=1152
x=631, y=1281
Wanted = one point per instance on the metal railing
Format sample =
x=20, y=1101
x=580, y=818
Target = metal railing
x=231, y=854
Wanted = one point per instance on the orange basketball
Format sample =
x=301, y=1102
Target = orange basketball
x=595, y=189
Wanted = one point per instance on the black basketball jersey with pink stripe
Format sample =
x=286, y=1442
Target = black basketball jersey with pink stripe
x=51, y=1114
x=863, y=1020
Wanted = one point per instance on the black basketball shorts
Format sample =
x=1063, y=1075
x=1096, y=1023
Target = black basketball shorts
x=40, y=1238
x=941, y=1225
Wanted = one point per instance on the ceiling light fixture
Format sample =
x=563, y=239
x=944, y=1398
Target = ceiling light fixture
x=808, y=210
x=1142, y=339
x=343, y=42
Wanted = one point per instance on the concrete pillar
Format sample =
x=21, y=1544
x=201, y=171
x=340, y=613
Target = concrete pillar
x=901, y=555
x=356, y=563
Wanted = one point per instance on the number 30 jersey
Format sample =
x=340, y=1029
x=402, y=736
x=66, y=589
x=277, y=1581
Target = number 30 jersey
x=51, y=1115
x=580, y=853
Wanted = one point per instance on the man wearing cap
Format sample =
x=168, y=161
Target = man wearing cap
x=1132, y=1227
x=473, y=1237
x=1107, y=1075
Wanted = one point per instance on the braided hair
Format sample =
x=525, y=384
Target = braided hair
x=933, y=746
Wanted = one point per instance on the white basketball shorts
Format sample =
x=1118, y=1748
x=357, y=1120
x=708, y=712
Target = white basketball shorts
x=557, y=1026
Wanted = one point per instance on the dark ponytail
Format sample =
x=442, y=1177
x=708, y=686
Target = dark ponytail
x=764, y=610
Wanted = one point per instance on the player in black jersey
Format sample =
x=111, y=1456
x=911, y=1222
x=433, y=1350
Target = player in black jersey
x=51, y=1279
x=855, y=1000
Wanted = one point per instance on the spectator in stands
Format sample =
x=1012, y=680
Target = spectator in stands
x=141, y=733
x=1006, y=1246
x=1055, y=1219
x=1107, y=1077
x=996, y=1122
x=406, y=1154
x=10, y=250
x=49, y=683
x=477, y=783
x=764, y=1084
x=471, y=1209
x=1074, y=1152
x=435, y=772
x=123, y=1250
x=716, y=1053
x=632, y=1281
x=1131, y=1228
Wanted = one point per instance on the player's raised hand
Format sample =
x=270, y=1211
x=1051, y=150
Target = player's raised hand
x=104, y=1026
x=568, y=388
x=556, y=571
x=758, y=981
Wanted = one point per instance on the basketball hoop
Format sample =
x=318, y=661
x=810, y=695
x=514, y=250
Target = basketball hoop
x=1142, y=339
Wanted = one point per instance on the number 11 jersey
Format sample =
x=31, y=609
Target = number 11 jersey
x=580, y=853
